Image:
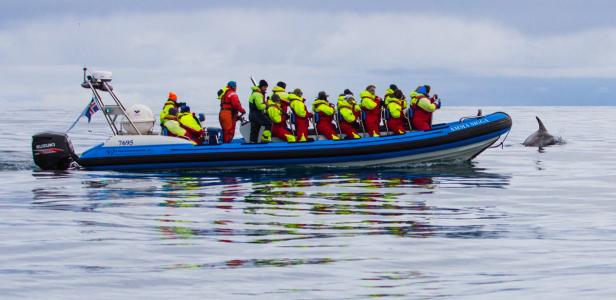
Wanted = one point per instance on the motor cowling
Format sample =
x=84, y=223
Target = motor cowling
x=53, y=151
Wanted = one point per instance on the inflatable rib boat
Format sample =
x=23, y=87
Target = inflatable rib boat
x=462, y=140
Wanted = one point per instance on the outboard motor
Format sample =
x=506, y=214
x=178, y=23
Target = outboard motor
x=52, y=151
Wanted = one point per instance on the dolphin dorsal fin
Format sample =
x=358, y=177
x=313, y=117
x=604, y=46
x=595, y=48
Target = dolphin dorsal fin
x=541, y=126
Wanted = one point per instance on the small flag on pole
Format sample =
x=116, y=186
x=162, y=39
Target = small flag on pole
x=90, y=110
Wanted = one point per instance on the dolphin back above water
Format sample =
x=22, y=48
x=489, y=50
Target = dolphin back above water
x=541, y=137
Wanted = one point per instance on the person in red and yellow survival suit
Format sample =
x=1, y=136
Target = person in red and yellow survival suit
x=324, y=110
x=371, y=105
x=172, y=102
x=278, y=117
x=350, y=112
x=302, y=115
x=279, y=90
x=230, y=106
x=390, y=91
x=395, y=106
x=423, y=107
x=191, y=124
x=172, y=125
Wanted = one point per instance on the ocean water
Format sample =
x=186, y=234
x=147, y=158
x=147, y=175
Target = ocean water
x=516, y=223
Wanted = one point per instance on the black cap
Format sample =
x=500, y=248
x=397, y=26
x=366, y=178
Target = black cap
x=262, y=83
x=347, y=92
x=322, y=95
x=393, y=86
x=281, y=84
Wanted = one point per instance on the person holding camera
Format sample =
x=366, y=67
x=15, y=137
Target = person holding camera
x=423, y=107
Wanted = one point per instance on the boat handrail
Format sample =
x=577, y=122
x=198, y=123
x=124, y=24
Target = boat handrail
x=111, y=112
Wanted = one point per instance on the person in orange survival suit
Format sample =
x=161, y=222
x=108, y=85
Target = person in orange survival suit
x=301, y=114
x=324, y=111
x=371, y=106
x=230, y=106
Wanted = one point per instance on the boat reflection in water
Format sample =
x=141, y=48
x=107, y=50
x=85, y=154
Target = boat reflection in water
x=288, y=208
x=281, y=205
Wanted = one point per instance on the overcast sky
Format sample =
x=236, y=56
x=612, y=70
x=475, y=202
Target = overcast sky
x=472, y=52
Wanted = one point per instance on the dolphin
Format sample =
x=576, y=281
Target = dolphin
x=540, y=138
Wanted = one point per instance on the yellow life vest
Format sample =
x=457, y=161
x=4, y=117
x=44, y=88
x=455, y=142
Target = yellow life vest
x=164, y=113
x=257, y=99
x=297, y=105
x=174, y=127
x=395, y=106
x=323, y=106
x=368, y=100
x=274, y=111
x=284, y=96
x=188, y=119
x=347, y=109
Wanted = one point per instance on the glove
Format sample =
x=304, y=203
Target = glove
x=438, y=103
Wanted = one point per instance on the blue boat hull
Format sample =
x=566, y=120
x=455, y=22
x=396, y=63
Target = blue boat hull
x=456, y=141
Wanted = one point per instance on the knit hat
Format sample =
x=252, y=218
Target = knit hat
x=185, y=108
x=275, y=98
x=322, y=95
x=281, y=84
x=173, y=96
x=262, y=83
x=298, y=92
x=173, y=111
x=232, y=84
x=393, y=87
x=347, y=92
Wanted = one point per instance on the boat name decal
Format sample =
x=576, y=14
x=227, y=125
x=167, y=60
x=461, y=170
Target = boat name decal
x=125, y=142
x=469, y=124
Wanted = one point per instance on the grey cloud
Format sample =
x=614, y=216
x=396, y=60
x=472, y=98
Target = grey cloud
x=195, y=52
